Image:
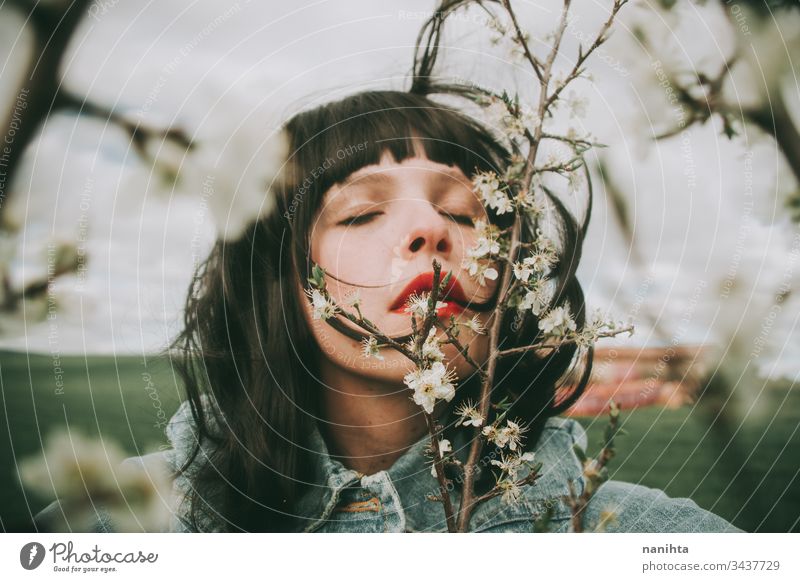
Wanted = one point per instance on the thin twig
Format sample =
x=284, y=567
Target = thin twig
x=461, y=349
x=529, y=479
x=582, y=56
x=594, y=470
x=430, y=317
x=468, y=500
x=535, y=63
x=544, y=74
x=53, y=27
x=563, y=342
x=379, y=336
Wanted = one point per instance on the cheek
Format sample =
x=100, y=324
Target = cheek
x=332, y=344
x=355, y=255
x=361, y=260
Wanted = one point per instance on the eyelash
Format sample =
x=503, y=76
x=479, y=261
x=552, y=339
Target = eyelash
x=364, y=218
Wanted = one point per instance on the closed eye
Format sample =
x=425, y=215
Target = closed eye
x=365, y=218
x=359, y=219
x=460, y=218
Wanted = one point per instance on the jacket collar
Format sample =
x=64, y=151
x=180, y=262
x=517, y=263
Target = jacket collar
x=410, y=475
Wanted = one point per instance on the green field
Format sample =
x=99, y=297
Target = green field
x=747, y=474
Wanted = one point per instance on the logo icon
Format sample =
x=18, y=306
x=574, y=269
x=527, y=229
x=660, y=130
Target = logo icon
x=31, y=555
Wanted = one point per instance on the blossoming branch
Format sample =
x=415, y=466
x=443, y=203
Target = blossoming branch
x=525, y=286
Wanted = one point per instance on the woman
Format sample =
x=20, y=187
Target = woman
x=288, y=426
x=309, y=435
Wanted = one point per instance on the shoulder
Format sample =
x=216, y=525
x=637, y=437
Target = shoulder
x=620, y=506
x=617, y=506
x=184, y=438
x=567, y=429
x=628, y=507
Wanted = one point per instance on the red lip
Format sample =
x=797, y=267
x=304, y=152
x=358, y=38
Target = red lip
x=424, y=282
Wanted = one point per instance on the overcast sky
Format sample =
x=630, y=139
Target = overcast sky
x=171, y=61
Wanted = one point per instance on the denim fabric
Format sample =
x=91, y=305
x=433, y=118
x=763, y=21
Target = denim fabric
x=395, y=500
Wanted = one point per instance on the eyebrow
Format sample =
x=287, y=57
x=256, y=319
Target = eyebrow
x=372, y=179
x=386, y=178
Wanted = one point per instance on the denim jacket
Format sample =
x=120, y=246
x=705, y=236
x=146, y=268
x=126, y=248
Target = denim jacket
x=395, y=500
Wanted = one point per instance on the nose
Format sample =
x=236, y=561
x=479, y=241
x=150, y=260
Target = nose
x=430, y=233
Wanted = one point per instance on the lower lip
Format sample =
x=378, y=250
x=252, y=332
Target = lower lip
x=452, y=308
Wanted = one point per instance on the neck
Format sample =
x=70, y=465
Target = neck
x=370, y=423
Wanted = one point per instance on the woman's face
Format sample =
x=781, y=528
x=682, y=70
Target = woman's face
x=376, y=232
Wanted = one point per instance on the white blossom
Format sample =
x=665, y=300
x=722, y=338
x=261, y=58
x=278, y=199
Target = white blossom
x=488, y=231
x=575, y=180
x=535, y=299
x=487, y=185
x=537, y=262
x=504, y=35
x=541, y=260
x=516, y=168
x=486, y=272
x=544, y=243
x=498, y=114
x=517, y=52
x=511, y=464
x=501, y=203
x=370, y=348
x=471, y=264
x=484, y=246
x=469, y=414
x=476, y=325
x=523, y=270
x=417, y=304
x=511, y=491
x=490, y=273
x=323, y=308
x=530, y=203
x=589, y=334
x=591, y=330
x=510, y=435
x=517, y=125
x=430, y=348
x=574, y=135
x=431, y=384
x=498, y=29
x=513, y=434
x=577, y=105
x=353, y=299
x=82, y=472
x=444, y=447
x=558, y=321
x=479, y=269
x=495, y=436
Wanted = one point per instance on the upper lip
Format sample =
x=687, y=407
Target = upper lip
x=424, y=282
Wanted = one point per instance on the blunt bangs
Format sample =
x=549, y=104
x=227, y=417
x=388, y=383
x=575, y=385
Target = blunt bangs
x=334, y=140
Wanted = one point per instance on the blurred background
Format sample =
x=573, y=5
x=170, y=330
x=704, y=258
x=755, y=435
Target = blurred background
x=694, y=234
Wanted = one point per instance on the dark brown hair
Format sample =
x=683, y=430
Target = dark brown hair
x=245, y=341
